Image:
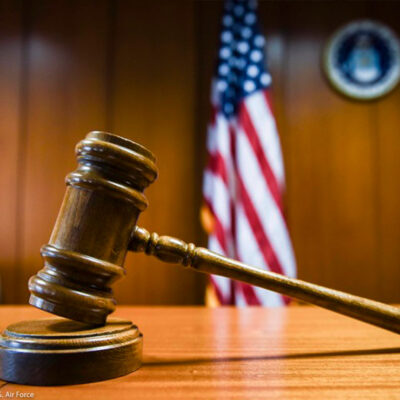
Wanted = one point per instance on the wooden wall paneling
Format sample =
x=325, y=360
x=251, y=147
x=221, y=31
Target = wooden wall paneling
x=354, y=245
x=11, y=43
x=388, y=121
x=208, y=19
x=304, y=148
x=153, y=104
x=207, y=23
x=143, y=70
x=388, y=191
x=66, y=97
x=333, y=165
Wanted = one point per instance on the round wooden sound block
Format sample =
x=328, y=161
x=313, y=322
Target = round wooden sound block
x=58, y=351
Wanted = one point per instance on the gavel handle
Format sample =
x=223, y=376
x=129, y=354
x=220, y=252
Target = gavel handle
x=174, y=250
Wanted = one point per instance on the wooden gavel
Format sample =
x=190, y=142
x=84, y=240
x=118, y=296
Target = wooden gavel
x=96, y=226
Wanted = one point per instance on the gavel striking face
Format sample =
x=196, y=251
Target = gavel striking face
x=97, y=225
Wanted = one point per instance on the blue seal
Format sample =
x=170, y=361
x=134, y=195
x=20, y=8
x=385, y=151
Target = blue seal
x=362, y=60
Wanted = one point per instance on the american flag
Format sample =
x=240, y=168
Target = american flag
x=244, y=177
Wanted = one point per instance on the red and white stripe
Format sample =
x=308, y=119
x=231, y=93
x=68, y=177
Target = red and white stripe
x=243, y=185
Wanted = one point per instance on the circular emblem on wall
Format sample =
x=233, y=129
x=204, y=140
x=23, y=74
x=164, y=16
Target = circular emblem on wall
x=362, y=60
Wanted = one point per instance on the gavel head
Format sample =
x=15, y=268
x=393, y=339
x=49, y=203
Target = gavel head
x=87, y=248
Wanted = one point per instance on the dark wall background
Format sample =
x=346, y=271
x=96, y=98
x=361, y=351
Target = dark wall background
x=142, y=69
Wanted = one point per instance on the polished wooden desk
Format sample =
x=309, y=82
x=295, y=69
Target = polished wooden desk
x=198, y=353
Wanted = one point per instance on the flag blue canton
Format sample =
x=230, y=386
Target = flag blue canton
x=241, y=67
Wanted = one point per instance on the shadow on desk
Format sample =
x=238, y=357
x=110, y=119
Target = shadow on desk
x=347, y=353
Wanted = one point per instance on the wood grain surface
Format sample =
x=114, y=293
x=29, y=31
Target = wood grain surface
x=255, y=353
